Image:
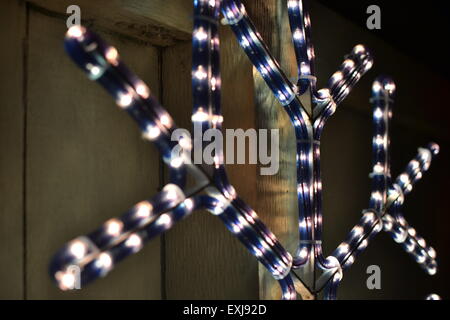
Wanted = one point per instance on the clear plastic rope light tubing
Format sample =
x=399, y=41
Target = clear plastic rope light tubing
x=96, y=253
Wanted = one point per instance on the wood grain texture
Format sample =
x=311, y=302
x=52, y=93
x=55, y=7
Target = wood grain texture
x=86, y=163
x=159, y=22
x=12, y=33
x=203, y=259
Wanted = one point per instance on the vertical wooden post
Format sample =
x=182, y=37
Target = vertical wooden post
x=277, y=203
x=12, y=97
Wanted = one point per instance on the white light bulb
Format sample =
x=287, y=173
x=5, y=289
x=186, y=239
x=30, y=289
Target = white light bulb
x=165, y=120
x=200, y=34
x=200, y=74
x=142, y=90
x=78, y=249
x=124, y=100
x=143, y=209
x=76, y=31
x=104, y=262
x=114, y=227
x=134, y=241
x=112, y=56
x=378, y=114
x=164, y=220
x=151, y=132
x=200, y=116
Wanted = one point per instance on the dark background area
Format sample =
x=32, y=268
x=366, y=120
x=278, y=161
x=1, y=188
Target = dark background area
x=419, y=33
x=419, y=30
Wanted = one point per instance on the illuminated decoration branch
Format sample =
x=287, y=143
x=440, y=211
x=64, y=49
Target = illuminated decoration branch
x=98, y=252
x=386, y=198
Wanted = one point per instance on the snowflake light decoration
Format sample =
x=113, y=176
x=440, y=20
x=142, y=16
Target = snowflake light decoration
x=97, y=253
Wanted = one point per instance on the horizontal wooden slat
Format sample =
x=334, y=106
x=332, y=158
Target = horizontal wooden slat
x=159, y=22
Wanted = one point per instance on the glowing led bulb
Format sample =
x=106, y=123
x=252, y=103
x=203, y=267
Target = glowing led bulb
x=142, y=90
x=344, y=248
x=124, y=100
x=377, y=196
x=376, y=86
x=134, y=241
x=244, y=42
x=337, y=76
x=66, y=280
x=389, y=87
x=217, y=119
x=378, y=114
x=143, y=210
x=173, y=193
x=359, y=49
x=189, y=204
x=305, y=68
x=298, y=35
x=112, y=56
x=379, y=140
x=303, y=253
x=292, y=4
x=357, y=231
x=151, y=132
x=165, y=120
x=200, y=34
x=176, y=162
x=348, y=63
x=95, y=70
x=104, y=262
x=432, y=252
x=200, y=116
x=213, y=83
x=363, y=244
x=200, y=73
x=76, y=31
x=114, y=227
x=78, y=249
x=432, y=271
x=164, y=220
x=421, y=241
x=404, y=178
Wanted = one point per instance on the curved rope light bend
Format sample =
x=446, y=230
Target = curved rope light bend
x=98, y=252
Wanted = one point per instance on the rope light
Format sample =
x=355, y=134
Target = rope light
x=99, y=251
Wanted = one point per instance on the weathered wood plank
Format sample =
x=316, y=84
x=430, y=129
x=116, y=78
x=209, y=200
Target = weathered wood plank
x=86, y=163
x=159, y=22
x=12, y=33
x=277, y=203
x=203, y=260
